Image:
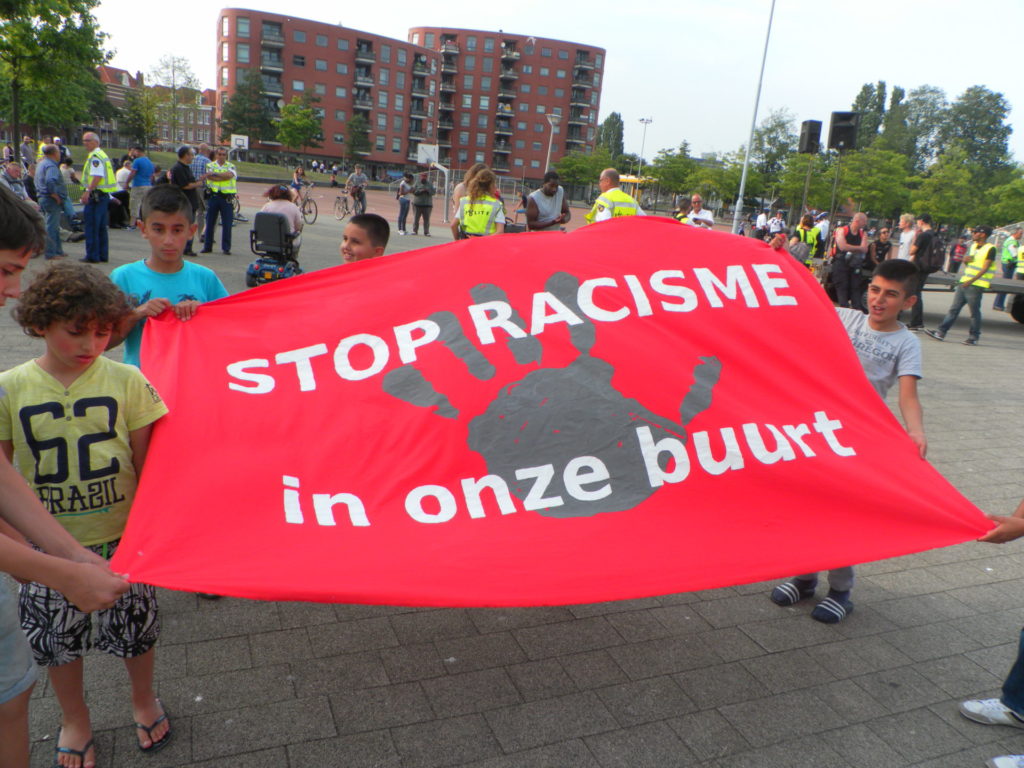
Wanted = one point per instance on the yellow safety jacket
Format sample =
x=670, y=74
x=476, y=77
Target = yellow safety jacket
x=477, y=217
x=108, y=183
x=683, y=218
x=615, y=200
x=976, y=260
x=229, y=187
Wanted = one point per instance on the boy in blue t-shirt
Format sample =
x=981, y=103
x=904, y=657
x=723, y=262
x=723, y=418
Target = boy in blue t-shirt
x=164, y=280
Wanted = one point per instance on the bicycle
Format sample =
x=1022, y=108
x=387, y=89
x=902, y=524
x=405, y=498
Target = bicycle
x=359, y=196
x=307, y=205
x=342, y=208
x=236, y=204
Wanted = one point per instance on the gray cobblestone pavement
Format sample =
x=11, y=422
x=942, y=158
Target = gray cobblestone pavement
x=720, y=678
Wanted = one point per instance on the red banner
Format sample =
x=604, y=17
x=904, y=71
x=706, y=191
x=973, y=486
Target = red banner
x=632, y=409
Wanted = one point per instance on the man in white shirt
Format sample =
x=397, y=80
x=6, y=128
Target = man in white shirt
x=907, y=235
x=761, y=227
x=699, y=215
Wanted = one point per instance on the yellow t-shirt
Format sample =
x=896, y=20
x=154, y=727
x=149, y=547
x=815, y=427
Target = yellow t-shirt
x=72, y=444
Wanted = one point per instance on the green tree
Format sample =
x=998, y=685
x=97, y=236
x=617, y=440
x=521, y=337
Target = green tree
x=178, y=85
x=300, y=126
x=247, y=112
x=579, y=168
x=895, y=133
x=794, y=176
x=1006, y=201
x=774, y=140
x=949, y=193
x=46, y=44
x=674, y=169
x=610, y=136
x=977, y=121
x=140, y=115
x=876, y=180
x=927, y=112
x=358, y=137
x=721, y=178
x=870, y=103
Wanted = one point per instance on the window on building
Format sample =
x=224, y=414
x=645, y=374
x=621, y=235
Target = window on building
x=400, y=57
x=520, y=144
x=341, y=69
x=242, y=53
x=298, y=85
x=561, y=73
x=537, y=146
x=339, y=114
x=518, y=162
x=464, y=119
x=428, y=40
x=467, y=82
x=339, y=138
x=385, y=54
x=590, y=134
x=557, y=111
x=488, y=45
x=540, y=109
x=524, y=107
x=542, y=90
x=521, y=125
x=399, y=102
x=298, y=60
x=487, y=64
x=400, y=80
x=479, y=156
x=415, y=38
x=225, y=26
x=535, y=163
x=597, y=79
x=319, y=89
x=396, y=144
x=559, y=93
x=225, y=76
x=463, y=156
x=382, y=121
x=379, y=143
x=481, y=139
x=464, y=138
x=320, y=65
x=469, y=62
x=598, y=60
x=481, y=121
x=485, y=83
x=467, y=101
x=319, y=112
x=384, y=76
x=593, y=98
x=563, y=54
x=396, y=123
x=546, y=52
x=545, y=72
x=527, y=69
x=342, y=44
x=225, y=51
x=539, y=127
x=471, y=43
x=485, y=102
x=382, y=99
x=242, y=26
x=299, y=36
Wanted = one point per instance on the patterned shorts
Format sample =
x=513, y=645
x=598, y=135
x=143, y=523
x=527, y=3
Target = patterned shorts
x=59, y=633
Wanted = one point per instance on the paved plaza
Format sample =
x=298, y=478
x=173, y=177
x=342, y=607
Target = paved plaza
x=720, y=678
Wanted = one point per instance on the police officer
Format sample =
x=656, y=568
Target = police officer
x=222, y=180
x=612, y=202
x=977, y=276
x=96, y=199
x=480, y=212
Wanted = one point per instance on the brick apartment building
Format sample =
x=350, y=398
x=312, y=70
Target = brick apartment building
x=481, y=96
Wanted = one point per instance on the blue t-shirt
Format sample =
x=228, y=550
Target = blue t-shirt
x=192, y=282
x=143, y=168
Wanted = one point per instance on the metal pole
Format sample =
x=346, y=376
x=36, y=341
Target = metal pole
x=553, y=121
x=646, y=121
x=807, y=184
x=753, y=124
x=835, y=186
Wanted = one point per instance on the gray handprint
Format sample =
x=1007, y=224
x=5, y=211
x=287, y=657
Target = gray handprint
x=552, y=415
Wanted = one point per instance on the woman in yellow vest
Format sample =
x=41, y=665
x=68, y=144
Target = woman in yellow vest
x=806, y=232
x=480, y=213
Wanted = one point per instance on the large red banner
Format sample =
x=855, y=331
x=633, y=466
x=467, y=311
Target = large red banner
x=635, y=408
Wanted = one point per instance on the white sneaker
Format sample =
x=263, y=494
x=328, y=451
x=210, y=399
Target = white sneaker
x=1006, y=761
x=990, y=712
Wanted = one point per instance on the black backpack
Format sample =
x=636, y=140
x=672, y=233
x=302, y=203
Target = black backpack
x=936, y=256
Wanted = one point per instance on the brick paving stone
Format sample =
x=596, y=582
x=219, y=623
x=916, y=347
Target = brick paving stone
x=567, y=637
x=724, y=684
x=465, y=654
x=646, y=700
x=412, y=662
x=445, y=742
x=370, y=709
x=708, y=735
x=503, y=619
x=797, y=753
x=653, y=745
x=593, y=669
x=550, y=720
x=541, y=679
x=373, y=749
x=781, y=672
x=917, y=735
x=775, y=718
x=249, y=729
x=663, y=657
x=432, y=625
x=567, y=754
x=898, y=690
x=351, y=636
x=315, y=677
x=859, y=745
x=959, y=677
x=470, y=692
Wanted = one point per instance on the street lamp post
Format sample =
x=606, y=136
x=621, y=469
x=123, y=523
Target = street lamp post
x=553, y=121
x=643, y=142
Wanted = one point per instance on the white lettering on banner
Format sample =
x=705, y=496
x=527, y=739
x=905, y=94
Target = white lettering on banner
x=585, y=478
x=737, y=285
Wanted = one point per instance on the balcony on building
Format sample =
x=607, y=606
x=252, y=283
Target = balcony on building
x=509, y=53
x=576, y=117
x=502, y=147
x=506, y=93
x=413, y=156
x=575, y=140
x=271, y=35
x=447, y=85
x=446, y=105
x=364, y=77
x=272, y=86
x=361, y=102
x=445, y=142
x=448, y=45
x=578, y=98
x=446, y=124
x=448, y=65
x=420, y=66
x=271, y=63
x=416, y=134
x=508, y=73
x=583, y=61
x=419, y=87
x=500, y=165
x=365, y=54
x=503, y=110
x=582, y=77
x=417, y=108
x=503, y=127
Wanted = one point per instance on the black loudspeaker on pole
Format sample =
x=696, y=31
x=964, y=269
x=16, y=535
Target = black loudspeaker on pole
x=810, y=137
x=842, y=132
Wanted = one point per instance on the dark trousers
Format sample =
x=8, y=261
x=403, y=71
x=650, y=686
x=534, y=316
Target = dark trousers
x=848, y=283
x=221, y=205
x=917, y=311
x=96, y=220
x=403, y=213
x=1013, y=686
x=421, y=212
x=1009, y=267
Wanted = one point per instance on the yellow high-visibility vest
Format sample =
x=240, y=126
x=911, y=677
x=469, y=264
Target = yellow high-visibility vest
x=976, y=260
x=108, y=183
x=229, y=187
x=477, y=217
x=615, y=200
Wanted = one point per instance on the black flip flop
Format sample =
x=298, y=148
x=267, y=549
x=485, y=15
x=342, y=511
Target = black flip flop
x=58, y=751
x=155, y=745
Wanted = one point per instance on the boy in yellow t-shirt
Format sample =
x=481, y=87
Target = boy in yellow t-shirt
x=77, y=426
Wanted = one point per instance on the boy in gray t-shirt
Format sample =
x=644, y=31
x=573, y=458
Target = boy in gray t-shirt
x=889, y=353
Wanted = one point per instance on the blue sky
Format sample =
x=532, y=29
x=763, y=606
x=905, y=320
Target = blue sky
x=691, y=67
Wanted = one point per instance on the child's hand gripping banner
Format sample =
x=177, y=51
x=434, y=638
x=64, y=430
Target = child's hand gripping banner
x=636, y=408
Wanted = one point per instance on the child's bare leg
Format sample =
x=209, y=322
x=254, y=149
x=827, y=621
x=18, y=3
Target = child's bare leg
x=145, y=707
x=75, y=726
x=14, y=731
